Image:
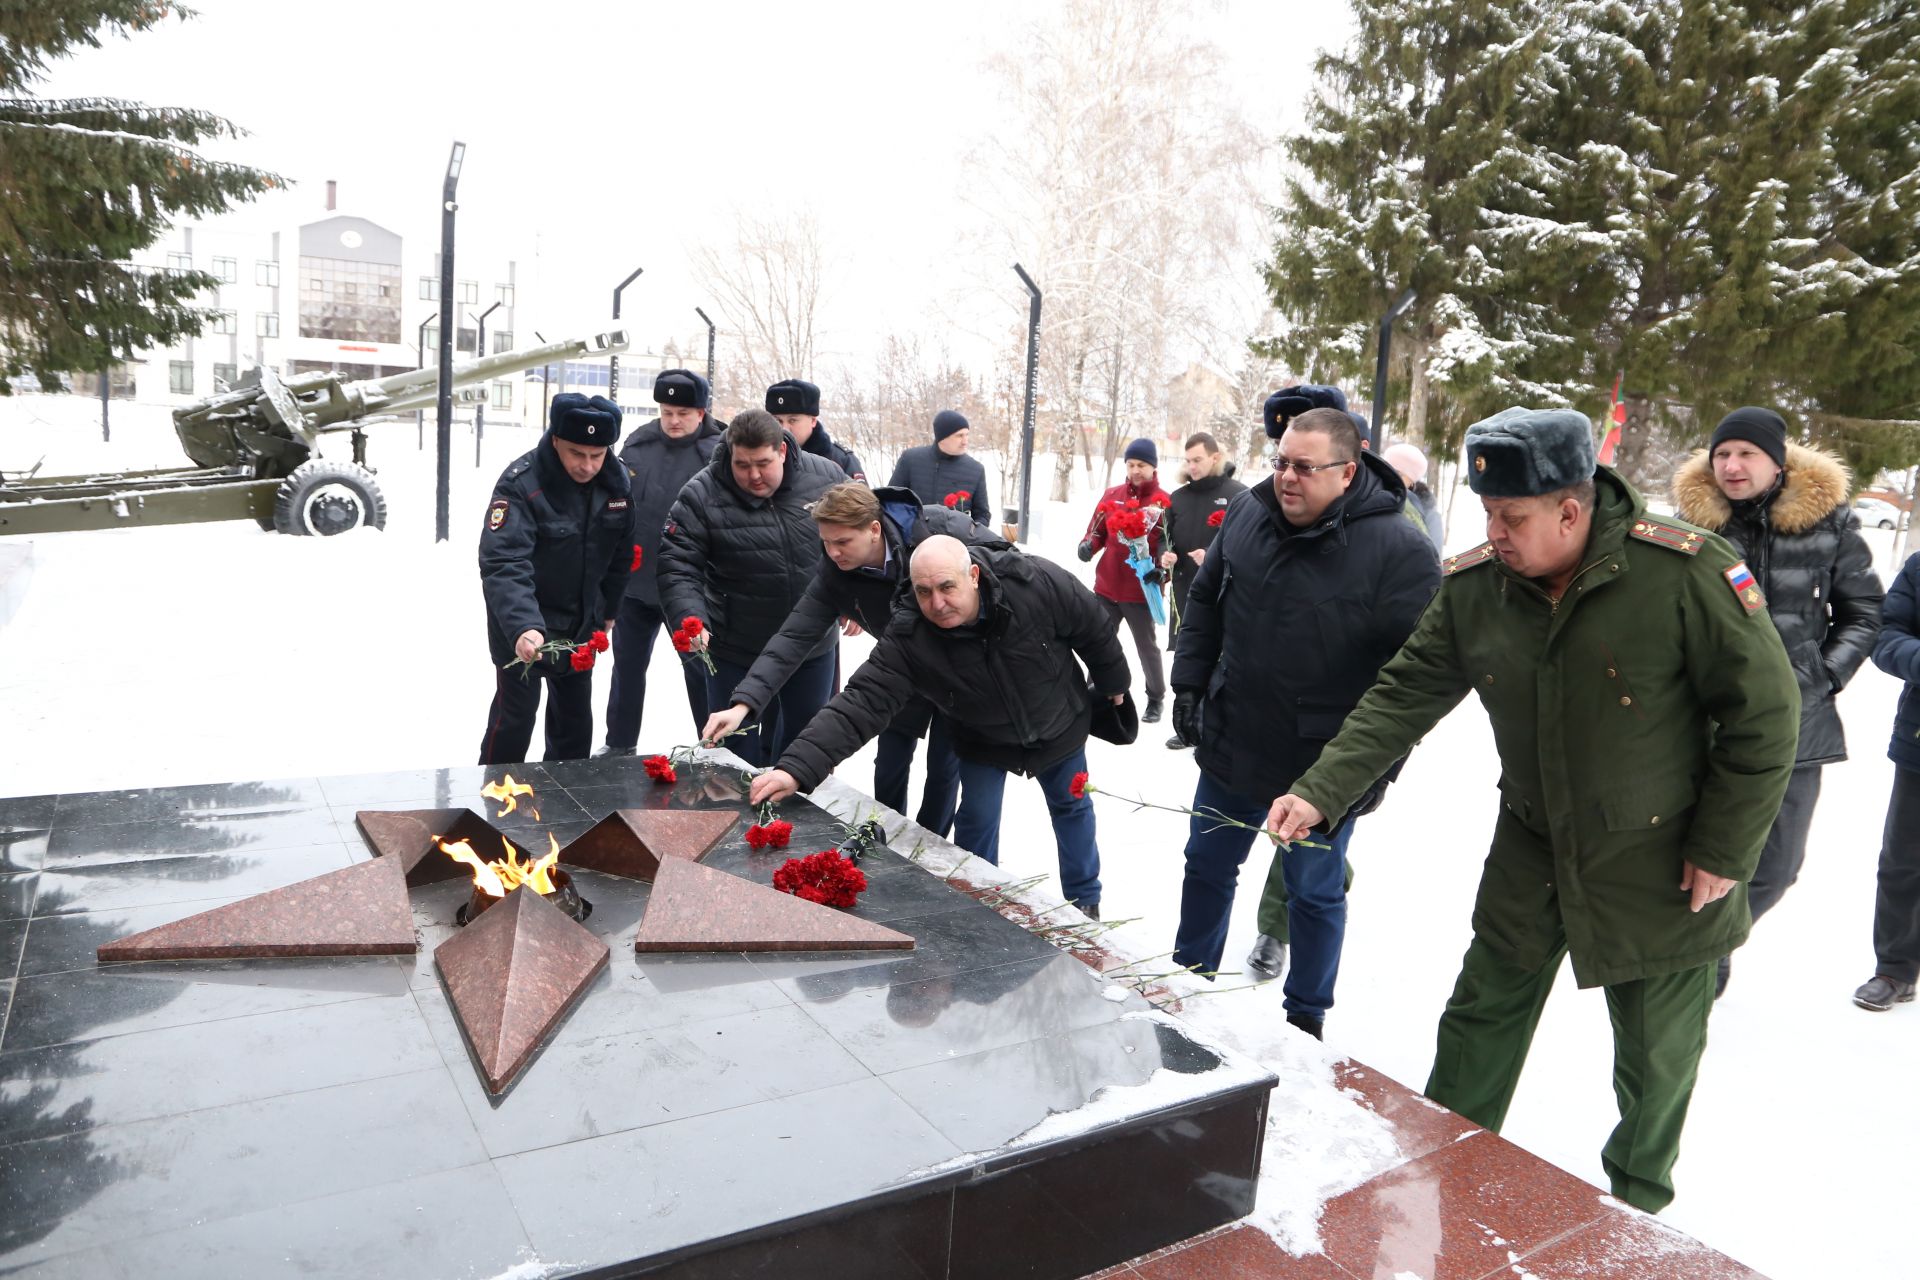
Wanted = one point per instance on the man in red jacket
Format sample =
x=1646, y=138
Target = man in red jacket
x=1118, y=583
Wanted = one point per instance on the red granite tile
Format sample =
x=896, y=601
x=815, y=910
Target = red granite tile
x=631, y=842
x=1238, y=1253
x=512, y=975
x=695, y=908
x=1459, y=1212
x=1419, y=1124
x=1625, y=1245
x=412, y=834
x=361, y=910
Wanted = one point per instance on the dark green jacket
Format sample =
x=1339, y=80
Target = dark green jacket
x=1649, y=717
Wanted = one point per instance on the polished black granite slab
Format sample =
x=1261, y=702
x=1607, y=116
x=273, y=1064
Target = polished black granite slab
x=982, y=1105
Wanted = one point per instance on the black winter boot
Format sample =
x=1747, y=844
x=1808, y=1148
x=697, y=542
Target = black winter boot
x=1152, y=714
x=1880, y=993
x=1308, y=1023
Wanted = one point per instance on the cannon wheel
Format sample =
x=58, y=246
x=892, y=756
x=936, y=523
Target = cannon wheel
x=326, y=498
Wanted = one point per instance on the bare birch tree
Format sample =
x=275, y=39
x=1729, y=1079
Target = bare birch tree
x=768, y=279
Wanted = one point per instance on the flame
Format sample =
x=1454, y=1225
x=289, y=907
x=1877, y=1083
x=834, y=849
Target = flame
x=503, y=875
x=508, y=793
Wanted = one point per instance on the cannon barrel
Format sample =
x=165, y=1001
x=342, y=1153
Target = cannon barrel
x=270, y=424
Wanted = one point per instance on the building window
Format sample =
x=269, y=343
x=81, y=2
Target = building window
x=266, y=273
x=464, y=340
x=180, y=377
x=502, y=396
x=430, y=288
x=222, y=322
x=223, y=375
x=430, y=343
x=227, y=269
x=349, y=301
x=469, y=291
x=503, y=294
x=266, y=325
x=502, y=341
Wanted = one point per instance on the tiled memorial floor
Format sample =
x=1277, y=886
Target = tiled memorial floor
x=844, y=1114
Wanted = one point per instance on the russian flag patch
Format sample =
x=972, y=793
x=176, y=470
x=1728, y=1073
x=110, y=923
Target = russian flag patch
x=1745, y=589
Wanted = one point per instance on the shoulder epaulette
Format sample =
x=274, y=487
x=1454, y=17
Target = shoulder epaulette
x=1674, y=537
x=1482, y=554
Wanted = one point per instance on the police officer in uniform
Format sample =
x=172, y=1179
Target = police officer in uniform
x=1646, y=717
x=796, y=403
x=554, y=558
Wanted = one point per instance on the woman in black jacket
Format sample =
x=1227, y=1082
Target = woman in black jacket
x=1784, y=507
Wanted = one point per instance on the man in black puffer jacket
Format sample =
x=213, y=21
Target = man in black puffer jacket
x=990, y=640
x=944, y=472
x=868, y=536
x=1784, y=507
x=660, y=457
x=796, y=403
x=1198, y=508
x=554, y=558
x=1314, y=582
x=738, y=553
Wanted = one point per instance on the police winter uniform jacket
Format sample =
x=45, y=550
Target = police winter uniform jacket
x=1897, y=652
x=865, y=595
x=1287, y=628
x=660, y=466
x=1647, y=717
x=1802, y=541
x=822, y=445
x=1009, y=682
x=740, y=563
x=554, y=555
x=933, y=475
x=1194, y=504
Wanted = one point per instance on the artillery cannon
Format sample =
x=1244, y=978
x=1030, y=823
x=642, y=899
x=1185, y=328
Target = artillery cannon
x=254, y=445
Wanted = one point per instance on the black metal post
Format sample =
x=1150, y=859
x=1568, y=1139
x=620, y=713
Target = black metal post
x=1404, y=301
x=420, y=362
x=443, y=421
x=546, y=383
x=480, y=406
x=613, y=364
x=710, y=332
x=1026, y=414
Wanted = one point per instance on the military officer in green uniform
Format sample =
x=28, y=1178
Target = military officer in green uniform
x=1646, y=718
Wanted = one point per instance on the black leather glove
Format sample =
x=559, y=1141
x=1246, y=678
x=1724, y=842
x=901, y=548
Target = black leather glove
x=1086, y=548
x=1186, y=715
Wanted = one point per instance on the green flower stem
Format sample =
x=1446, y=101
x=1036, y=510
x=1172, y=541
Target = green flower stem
x=1214, y=816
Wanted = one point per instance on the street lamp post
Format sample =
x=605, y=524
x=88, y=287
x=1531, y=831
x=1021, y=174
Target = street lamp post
x=420, y=362
x=710, y=332
x=1394, y=312
x=1026, y=413
x=613, y=365
x=480, y=409
x=443, y=421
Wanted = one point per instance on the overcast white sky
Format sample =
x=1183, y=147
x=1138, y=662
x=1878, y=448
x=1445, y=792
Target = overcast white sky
x=607, y=135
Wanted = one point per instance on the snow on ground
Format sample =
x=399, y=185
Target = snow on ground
x=200, y=653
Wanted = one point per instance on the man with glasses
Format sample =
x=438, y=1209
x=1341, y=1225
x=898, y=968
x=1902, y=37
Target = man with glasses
x=1313, y=582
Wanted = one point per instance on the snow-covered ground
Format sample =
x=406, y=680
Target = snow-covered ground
x=200, y=653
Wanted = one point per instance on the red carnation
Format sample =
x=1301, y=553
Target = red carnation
x=1162, y=501
x=598, y=642
x=660, y=769
x=951, y=500
x=638, y=554
x=826, y=877
x=1133, y=504
x=692, y=626
x=1217, y=519
x=1078, y=787
x=683, y=642
x=779, y=832
x=582, y=659
x=757, y=837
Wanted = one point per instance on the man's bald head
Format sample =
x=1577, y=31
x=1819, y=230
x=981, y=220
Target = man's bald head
x=946, y=582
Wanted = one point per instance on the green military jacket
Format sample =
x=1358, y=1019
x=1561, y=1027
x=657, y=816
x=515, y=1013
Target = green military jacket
x=1647, y=717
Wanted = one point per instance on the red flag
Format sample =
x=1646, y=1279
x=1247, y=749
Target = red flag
x=1616, y=418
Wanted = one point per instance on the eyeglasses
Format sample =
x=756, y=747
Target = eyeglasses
x=1302, y=469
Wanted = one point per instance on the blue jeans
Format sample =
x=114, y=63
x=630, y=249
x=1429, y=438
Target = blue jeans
x=793, y=704
x=633, y=635
x=1316, y=889
x=976, y=827
x=893, y=765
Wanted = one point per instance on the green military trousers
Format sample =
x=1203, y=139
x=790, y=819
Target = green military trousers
x=1273, y=898
x=1659, y=1033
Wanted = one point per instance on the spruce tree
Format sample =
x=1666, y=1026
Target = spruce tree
x=84, y=184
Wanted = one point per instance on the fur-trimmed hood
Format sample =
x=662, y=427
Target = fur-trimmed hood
x=1815, y=483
